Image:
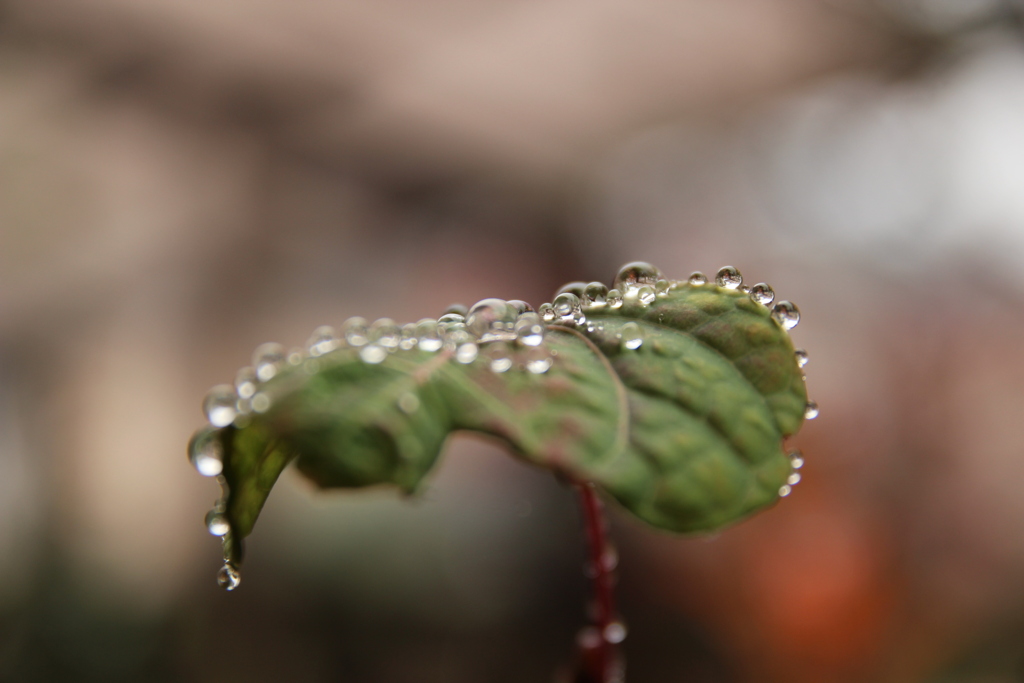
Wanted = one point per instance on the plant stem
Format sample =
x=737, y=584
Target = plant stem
x=599, y=653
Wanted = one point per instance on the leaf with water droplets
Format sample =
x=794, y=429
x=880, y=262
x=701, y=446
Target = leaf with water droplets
x=672, y=396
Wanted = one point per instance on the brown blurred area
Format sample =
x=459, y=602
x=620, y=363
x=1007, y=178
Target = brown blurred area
x=181, y=180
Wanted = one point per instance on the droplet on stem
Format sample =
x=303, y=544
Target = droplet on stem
x=786, y=314
x=811, y=411
x=785, y=490
x=793, y=479
x=217, y=522
x=796, y=460
x=268, y=359
x=220, y=405
x=205, y=453
x=729, y=277
x=801, y=357
x=635, y=274
x=323, y=340
x=355, y=331
x=762, y=294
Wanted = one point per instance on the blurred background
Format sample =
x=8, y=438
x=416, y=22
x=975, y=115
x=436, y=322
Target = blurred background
x=181, y=180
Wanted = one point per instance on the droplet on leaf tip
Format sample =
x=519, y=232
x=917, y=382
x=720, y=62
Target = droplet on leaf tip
x=229, y=578
x=801, y=357
x=811, y=411
x=217, y=523
x=204, y=452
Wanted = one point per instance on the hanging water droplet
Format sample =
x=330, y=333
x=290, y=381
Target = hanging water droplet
x=577, y=288
x=796, y=460
x=217, y=522
x=355, y=331
x=219, y=405
x=268, y=359
x=811, y=411
x=614, y=298
x=801, y=357
x=520, y=307
x=567, y=306
x=260, y=402
x=498, y=358
x=427, y=335
x=245, y=382
x=456, y=308
x=786, y=314
x=646, y=295
x=229, y=577
x=408, y=403
x=595, y=294
x=729, y=278
x=409, y=339
x=491, y=319
x=205, y=453
x=373, y=354
x=632, y=335
x=785, y=490
x=615, y=632
x=635, y=274
x=529, y=330
x=793, y=479
x=539, y=360
x=547, y=313
x=697, y=278
x=323, y=340
x=762, y=293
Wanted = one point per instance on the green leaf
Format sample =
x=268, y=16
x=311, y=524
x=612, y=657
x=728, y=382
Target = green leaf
x=675, y=404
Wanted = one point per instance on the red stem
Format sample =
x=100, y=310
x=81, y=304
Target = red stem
x=598, y=653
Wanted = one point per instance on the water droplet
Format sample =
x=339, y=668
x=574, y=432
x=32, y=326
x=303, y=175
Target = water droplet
x=614, y=298
x=529, y=330
x=547, y=313
x=466, y=352
x=632, y=335
x=615, y=632
x=491, y=319
x=295, y=357
x=268, y=359
x=567, y=307
x=786, y=314
x=219, y=405
x=577, y=288
x=323, y=340
x=229, y=577
x=426, y=333
x=520, y=307
x=662, y=287
x=498, y=358
x=538, y=360
x=355, y=331
x=260, y=402
x=646, y=295
x=450, y=318
x=456, y=308
x=373, y=354
x=793, y=479
x=409, y=339
x=384, y=332
x=697, y=278
x=204, y=452
x=796, y=460
x=635, y=274
x=729, y=278
x=811, y=411
x=762, y=293
x=595, y=294
x=801, y=357
x=217, y=522
x=408, y=403
x=245, y=382
x=785, y=490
